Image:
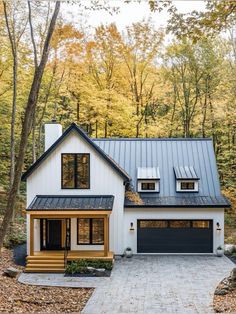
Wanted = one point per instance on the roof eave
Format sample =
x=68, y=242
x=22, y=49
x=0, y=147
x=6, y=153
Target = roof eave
x=174, y=206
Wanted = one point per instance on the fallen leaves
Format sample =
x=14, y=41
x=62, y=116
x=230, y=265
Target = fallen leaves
x=225, y=303
x=19, y=298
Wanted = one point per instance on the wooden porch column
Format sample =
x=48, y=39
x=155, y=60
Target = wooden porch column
x=106, y=236
x=31, y=235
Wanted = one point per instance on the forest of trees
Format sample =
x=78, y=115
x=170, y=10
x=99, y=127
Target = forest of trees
x=119, y=84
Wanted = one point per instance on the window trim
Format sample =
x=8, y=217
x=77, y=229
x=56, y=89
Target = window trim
x=75, y=171
x=155, y=181
x=90, y=231
x=196, y=186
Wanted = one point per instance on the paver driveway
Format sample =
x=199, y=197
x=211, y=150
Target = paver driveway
x=149, y=284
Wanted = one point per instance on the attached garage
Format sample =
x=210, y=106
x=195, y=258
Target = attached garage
x=175, y=236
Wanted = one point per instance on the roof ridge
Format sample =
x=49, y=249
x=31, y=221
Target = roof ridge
x=152, y=139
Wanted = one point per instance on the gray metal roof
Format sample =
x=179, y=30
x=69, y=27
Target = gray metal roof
x=148, y=173
x=180, y=201
x=68, y=202
x=167, y=154
x=185, y=172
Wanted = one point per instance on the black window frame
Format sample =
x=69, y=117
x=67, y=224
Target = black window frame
x=90, y=231
x=76, y=187
x=148, y=183
x=187, y=183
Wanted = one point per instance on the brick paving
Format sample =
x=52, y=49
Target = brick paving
x=149, y=284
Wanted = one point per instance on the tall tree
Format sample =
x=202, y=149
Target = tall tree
x=27, y=122
x=15, y=33
x=140, y=53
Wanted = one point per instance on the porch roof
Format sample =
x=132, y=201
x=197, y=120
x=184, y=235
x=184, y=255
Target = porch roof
x=70, y=202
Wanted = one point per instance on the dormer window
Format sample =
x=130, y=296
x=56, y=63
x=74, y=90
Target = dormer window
x=148, y=179
x=151, y=186
x=186, y=179
x=186, y=186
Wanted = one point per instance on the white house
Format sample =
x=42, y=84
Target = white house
x=92, y=198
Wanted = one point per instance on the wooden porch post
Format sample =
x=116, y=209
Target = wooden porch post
x=31, y=235
x=106, y=236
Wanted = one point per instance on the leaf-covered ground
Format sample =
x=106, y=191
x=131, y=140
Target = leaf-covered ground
x=225, y=303
x=19, y=298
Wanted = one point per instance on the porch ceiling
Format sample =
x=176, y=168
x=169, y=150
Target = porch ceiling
x=92, y=203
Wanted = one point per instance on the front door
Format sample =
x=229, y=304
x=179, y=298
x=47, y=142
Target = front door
x=54, y=229
x=51, y=234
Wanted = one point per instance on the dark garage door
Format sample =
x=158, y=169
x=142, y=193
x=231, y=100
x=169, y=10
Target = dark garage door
x=175, y=236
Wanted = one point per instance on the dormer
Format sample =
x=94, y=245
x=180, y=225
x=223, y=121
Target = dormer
x=148, y=179
x=187, y=179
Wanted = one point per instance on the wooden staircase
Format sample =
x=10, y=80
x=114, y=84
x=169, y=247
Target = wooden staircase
x=45, y=264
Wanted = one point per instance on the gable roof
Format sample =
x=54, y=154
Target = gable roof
x=74, y=127
x=166, y=154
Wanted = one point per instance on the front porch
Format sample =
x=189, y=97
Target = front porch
x=56, y=237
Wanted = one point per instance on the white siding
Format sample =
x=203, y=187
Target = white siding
x=104, y=180
x=132, y=215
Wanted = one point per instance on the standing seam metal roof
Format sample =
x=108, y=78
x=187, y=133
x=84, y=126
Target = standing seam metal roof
x=167, y=154
x=148, y=173
x=70, y=202
x=185, y=172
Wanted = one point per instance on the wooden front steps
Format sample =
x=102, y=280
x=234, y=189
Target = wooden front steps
x=53, y=261
x=45, y=264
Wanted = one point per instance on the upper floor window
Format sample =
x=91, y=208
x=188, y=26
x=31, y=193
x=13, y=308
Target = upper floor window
x=187, y=179
x=75, y=171
x=148, y=179
x=148, y=185
x=186, y=186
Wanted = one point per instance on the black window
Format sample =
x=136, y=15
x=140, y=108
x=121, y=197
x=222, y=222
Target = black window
x=180, y=224
x=148, y=186
x=90, y=231
x=75, y=171
x=153, y=224
x=187, y=185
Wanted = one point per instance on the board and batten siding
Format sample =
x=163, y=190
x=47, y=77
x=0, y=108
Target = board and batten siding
x=104, y=180
x=132, y=215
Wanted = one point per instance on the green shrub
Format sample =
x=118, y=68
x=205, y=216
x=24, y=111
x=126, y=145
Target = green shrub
x=80, y=266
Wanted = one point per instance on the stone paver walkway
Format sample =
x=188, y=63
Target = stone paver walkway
x=149, y=284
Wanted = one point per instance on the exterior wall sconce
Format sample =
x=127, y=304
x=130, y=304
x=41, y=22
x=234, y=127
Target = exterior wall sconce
x=131, y=226
x=218, y=228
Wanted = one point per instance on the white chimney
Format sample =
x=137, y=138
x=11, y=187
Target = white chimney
x=53, y=131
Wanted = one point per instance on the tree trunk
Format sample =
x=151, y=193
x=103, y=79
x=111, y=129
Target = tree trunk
x=12, y=40
x=27, y=124
x=33, y=139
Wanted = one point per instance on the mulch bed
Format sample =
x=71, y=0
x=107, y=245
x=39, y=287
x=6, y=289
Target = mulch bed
x=19, y=298
x=225, y=303
x=232, y=258
x=106, y=274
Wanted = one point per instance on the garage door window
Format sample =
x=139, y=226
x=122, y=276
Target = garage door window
x=201, y=224
x=153, y=224
x=180, y=224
